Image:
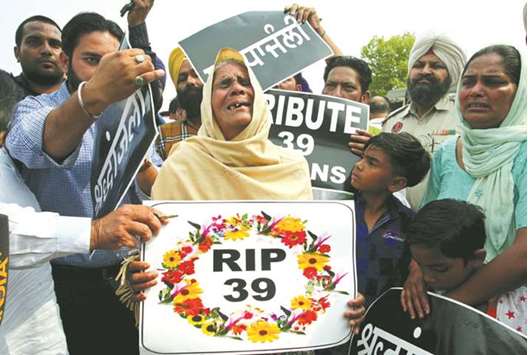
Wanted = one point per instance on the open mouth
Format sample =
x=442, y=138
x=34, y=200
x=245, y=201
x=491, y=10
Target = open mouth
x=238, y=105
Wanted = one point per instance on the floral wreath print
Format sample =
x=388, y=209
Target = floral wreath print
x=183, y=291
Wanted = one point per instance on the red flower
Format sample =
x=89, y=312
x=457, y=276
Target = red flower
x=187, y=267
x=205, y=245
x=238, y=328
x=310, y=272
x=172, y=277
x=307, y=317
x=323, y=302
x=327, y=268
x=293, y=239
x=248, y=315
x=324, y=248
x=186, y=250
x=190, y=307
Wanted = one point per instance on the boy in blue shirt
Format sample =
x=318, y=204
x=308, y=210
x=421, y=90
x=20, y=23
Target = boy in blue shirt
x=390, y=163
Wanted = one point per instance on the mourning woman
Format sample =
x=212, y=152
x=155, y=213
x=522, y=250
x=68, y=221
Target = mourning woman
x=486, y=166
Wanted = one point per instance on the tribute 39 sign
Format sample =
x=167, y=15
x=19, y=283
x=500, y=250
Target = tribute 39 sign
x=257, y=276
x=319, y=127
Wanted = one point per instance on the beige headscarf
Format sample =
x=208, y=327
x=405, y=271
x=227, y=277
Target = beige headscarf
x=207, y=167
x=445, y=49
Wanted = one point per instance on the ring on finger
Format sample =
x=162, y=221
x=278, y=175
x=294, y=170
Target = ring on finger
x=140, y=58
x=139, y=81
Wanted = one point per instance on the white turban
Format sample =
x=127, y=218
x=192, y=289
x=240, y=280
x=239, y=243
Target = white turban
x=445, y=49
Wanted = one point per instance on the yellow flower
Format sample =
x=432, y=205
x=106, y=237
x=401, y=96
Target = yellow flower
x=301, y=302
x=196, y=320
x=209, y=328
x=289, y=224
x=192, y=290
x=233, y=220
x=171, y=259
x=237, y=234
x=262, y=331
x=315, y=260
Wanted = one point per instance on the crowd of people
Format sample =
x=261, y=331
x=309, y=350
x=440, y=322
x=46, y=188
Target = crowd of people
x=439, y=187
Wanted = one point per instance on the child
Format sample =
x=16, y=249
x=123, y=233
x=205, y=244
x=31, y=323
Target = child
x=446, y=239
x=390, y=163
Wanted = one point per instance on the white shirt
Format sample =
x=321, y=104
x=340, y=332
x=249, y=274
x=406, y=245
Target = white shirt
x=32, y=323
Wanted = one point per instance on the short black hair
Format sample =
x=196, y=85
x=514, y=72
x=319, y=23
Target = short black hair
x=37, y=18
x=84, y=23
x=407, y=155
x=381, y=107
x=359, y=65
x=10, y=94
x=511, y=59
x=455, y=227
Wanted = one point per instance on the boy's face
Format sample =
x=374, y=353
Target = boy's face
x=374, y=173
x=441, y=273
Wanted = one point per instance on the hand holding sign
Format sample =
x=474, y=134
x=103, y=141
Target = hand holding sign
x=115, y=78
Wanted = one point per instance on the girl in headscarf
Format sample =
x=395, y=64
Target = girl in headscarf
x=232, y=158
x=486, y=166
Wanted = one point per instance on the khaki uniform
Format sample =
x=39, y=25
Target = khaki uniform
x=437, y=125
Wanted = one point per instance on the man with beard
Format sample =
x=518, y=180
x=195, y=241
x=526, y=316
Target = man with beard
x=53, y=137
x=38, y=49
x=187, y=121
x=434, y=66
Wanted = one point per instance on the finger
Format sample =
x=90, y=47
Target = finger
x=364, y=133
x=132, y=52
x=139, y=297
x=356, y=138
x=410, y=307
x=143, y=286
x=307, y=14
x=145, y=215
x=160, y=216
x=153, y=75
x=424, y=302
x=139, y=229
x=136, y=266
x=402, y=300
x=139, y=278
x=415, y=297
x=144, y=67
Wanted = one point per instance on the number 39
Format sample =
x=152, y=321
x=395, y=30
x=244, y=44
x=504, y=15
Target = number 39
x=263, y=293
x=304, y=142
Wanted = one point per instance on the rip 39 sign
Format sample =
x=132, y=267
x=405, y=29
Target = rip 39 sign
x=263, y=288
x=257, y=276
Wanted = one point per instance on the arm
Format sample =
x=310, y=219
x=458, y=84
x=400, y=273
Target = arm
x=505, y=273
x=309, y=14
x=50, y=236
x=139, y=39
x=112, y=81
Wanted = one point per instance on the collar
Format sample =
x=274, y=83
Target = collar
x=395, y=209
x=441, y=105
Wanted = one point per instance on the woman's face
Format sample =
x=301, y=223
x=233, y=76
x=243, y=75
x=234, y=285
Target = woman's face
x=232, y=99
x=487, y=92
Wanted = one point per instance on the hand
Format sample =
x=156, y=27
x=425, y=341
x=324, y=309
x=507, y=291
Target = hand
x=358, y=141
x=120, y=227
x=413, y=297
x=303, y=14
x=355, y=312
x=114, y=78
x=139, y=279
x=139, y=13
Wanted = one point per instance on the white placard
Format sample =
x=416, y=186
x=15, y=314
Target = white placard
x=249, y=277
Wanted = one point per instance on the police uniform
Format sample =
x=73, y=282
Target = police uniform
x=438, y=124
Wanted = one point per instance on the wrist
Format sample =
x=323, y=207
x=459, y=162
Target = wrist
x=92, y=102
x=93, y=235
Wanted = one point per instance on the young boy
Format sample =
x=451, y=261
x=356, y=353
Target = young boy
x=446, y=239
x=390, y=163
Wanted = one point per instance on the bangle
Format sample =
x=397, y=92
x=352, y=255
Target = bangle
x=81, y=102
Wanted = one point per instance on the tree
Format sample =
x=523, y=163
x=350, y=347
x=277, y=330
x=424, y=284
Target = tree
x=388, y=61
